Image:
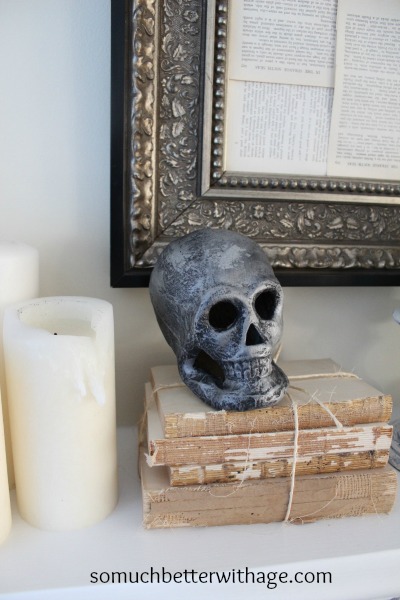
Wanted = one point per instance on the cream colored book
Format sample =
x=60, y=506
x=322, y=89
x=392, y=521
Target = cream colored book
x=207, y=450
x=235, y=472
x=349, y=398
x=315, y=497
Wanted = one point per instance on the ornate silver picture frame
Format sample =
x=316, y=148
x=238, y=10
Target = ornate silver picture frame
x=167, y=166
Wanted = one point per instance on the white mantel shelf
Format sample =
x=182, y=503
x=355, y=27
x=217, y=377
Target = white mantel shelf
x=363, y=554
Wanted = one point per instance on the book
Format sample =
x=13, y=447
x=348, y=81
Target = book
x=213, y=449
x=235, y=472
x=349, y=398
x=297, y=110
x=331, y=495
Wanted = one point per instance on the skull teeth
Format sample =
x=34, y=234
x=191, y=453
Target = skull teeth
x=248, y=369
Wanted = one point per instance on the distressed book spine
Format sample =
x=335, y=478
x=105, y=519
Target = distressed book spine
x=315, y=497
x=265, y=446
x=280, y=418
x=305, y=465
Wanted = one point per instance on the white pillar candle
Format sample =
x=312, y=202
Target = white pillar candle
x=19, y=280
x=5, y=508
x=59, y=357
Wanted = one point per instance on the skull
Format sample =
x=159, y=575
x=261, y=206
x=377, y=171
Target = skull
x=219, y=307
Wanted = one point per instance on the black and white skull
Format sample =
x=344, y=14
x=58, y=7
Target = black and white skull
x=219, y=307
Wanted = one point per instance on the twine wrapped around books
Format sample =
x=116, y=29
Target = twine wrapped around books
x=296, y=423
x=313, y=397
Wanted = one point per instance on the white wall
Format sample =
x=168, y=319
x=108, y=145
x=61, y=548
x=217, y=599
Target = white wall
x=54, y=194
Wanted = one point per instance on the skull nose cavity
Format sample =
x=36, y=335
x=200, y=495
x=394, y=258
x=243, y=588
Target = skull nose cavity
x=253, y=336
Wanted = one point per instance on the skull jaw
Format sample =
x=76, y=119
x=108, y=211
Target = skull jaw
x=234, y=394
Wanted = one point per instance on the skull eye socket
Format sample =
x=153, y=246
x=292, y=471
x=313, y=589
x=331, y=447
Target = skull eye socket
x=265, y=304
x=222, y=315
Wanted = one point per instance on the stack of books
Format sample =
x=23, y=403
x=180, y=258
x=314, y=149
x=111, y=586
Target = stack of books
x=201, y=466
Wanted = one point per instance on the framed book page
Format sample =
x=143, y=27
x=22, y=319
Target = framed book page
x=279, y=120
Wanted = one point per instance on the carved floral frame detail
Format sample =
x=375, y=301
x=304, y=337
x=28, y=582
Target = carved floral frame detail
x=167, y=167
